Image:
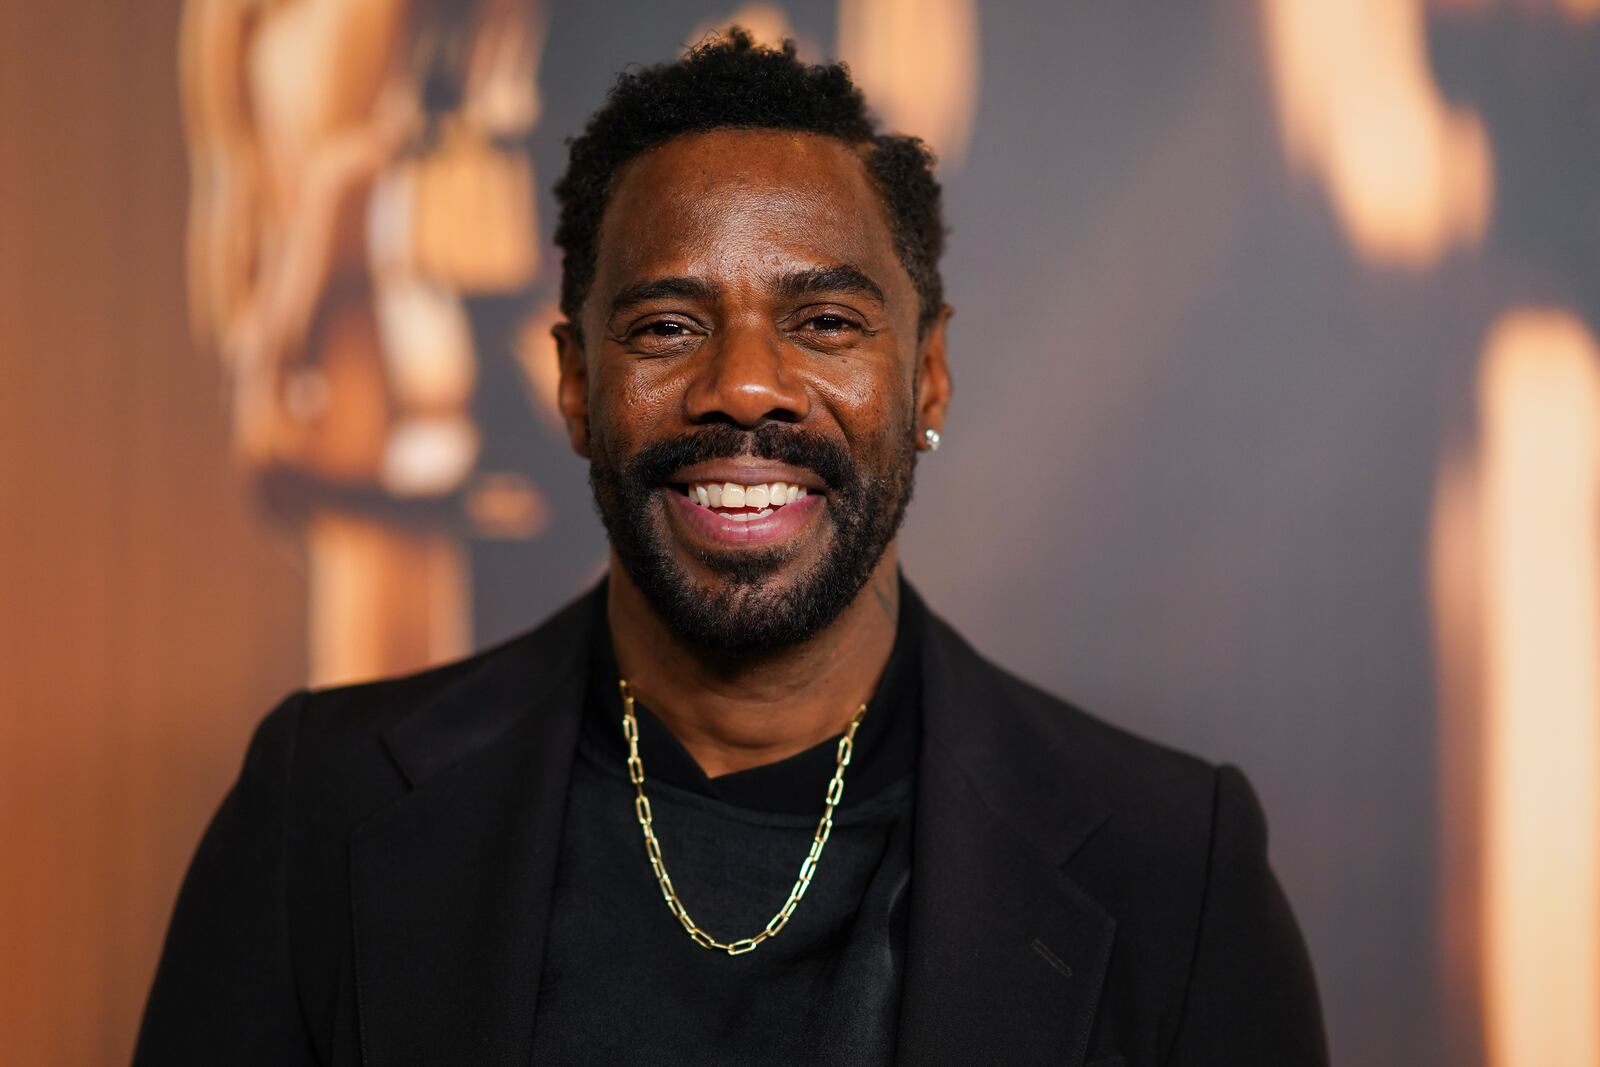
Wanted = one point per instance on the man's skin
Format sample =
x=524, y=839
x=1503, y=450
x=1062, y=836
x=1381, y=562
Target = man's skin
x=737, y=212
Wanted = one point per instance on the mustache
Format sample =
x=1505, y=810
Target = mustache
x=828, y=460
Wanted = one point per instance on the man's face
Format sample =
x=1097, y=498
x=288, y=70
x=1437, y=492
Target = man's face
x=751, y=384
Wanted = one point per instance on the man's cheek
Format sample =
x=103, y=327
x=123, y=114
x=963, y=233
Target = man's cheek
x=611, y=447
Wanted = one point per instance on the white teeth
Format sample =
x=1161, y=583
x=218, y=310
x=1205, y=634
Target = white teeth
x=733, y=495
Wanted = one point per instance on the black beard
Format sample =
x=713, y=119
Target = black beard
x=864, y=507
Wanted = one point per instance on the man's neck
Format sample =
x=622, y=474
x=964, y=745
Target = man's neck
x=734, y=712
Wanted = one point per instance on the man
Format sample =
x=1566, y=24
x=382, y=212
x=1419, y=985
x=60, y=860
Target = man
x=750, y=801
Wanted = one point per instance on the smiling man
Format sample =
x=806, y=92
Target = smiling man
x=749, y=801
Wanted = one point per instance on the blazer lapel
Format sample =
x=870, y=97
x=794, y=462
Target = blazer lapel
x=451, y=884
x=1006, y=954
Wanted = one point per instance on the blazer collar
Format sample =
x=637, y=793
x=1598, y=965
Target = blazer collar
x=451, y=884
x=1005, y=953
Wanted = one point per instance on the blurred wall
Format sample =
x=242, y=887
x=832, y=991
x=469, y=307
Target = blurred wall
x=147, y=616
x=1247, y=302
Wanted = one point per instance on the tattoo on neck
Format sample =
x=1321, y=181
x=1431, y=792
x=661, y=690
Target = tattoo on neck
x=888, y=599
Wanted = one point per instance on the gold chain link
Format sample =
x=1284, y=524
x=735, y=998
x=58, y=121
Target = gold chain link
x=652, y=847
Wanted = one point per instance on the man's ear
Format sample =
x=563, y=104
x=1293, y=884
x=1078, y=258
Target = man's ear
x=933, y=374
x=572, y=395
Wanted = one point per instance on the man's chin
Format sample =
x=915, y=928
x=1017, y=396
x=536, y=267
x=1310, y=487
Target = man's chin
x=745, y=595
x=739, y=600
x=744, y=582
x=748, y=615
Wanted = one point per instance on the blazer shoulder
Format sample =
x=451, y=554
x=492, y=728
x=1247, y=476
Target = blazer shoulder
x=324, y=747
x=370, y=708
x=367, y=711
x=1179, y=856
x=1126, y=772
x=348, y=749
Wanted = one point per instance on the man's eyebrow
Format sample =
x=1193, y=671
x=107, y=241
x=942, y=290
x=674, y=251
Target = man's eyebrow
x=638, y=293
x=840, y=279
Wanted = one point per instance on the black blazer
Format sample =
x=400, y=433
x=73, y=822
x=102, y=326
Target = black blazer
x=375, y=888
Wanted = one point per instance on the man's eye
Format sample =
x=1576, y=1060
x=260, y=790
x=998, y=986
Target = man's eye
x=662, y=335
x=828, y=323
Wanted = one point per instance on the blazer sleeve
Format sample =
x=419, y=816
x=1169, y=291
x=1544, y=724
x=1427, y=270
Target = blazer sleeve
x=1252, y=999
x=224, y=989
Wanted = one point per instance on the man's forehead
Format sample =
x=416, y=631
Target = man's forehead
x=703, y=199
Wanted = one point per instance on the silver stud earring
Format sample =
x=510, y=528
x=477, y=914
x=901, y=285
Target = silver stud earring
x=931, y=436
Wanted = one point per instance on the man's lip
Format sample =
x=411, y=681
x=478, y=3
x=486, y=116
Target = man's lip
x=747, y=472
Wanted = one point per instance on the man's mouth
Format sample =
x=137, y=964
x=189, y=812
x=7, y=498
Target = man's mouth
x=740, y=514
x=743, y=503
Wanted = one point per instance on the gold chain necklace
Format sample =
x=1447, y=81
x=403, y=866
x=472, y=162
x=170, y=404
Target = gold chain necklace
x=652, y=847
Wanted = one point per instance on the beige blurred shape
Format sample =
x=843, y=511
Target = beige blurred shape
x=1408, y=176
x=1516, y=592
x=339, y=220
x=1515, y=546
x=1539, y=401
x=507, y=506
x=917, y=61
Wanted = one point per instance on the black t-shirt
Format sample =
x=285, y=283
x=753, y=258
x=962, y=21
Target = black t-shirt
x=623, y=982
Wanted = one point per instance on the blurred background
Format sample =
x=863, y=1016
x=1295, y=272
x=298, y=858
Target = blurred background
x=1276, y=438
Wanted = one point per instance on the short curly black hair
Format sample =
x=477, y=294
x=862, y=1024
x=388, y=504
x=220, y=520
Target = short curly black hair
x=732, y=82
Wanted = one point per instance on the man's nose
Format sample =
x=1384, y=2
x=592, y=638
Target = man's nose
x=746, y=377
